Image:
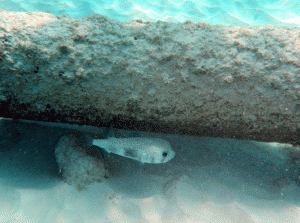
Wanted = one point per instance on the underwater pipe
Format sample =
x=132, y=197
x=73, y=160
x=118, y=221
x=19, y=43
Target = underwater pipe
x=189, y=78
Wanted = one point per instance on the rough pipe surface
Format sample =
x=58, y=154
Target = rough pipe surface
x=189, y=78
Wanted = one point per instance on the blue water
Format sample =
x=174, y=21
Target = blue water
x=226, y=12
x=215, y=180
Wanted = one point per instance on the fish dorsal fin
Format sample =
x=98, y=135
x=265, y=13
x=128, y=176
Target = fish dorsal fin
x=111, y=133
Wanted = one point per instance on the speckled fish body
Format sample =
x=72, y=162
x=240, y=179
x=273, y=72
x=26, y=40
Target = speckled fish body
x=144, y=150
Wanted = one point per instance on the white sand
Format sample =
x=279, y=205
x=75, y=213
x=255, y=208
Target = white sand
x=204, y=188
x=184, y=203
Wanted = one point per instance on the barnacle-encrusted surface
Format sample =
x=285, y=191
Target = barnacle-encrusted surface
x=189, y=78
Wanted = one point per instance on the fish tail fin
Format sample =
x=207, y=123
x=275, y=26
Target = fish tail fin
x=110, y=133
x=102, y=143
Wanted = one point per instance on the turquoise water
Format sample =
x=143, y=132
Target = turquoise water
x=209, y=180
x=226, y=12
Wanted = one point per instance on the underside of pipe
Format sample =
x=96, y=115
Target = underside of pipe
x=189, y=78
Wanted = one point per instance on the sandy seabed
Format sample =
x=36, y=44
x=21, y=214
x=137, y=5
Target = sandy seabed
x=209, y=180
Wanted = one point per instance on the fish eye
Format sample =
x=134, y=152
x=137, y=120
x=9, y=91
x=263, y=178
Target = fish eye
x=164, y=154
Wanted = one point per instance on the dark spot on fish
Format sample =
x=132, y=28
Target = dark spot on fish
x=152, y=160
x=131, y=153
x=164, y=154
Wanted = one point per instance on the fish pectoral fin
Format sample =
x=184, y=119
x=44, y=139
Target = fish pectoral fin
x=133, y=153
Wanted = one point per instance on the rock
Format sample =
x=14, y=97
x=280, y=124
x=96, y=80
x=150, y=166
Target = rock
x=80, y=163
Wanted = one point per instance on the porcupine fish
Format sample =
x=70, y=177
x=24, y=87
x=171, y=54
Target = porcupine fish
x=144, y=150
